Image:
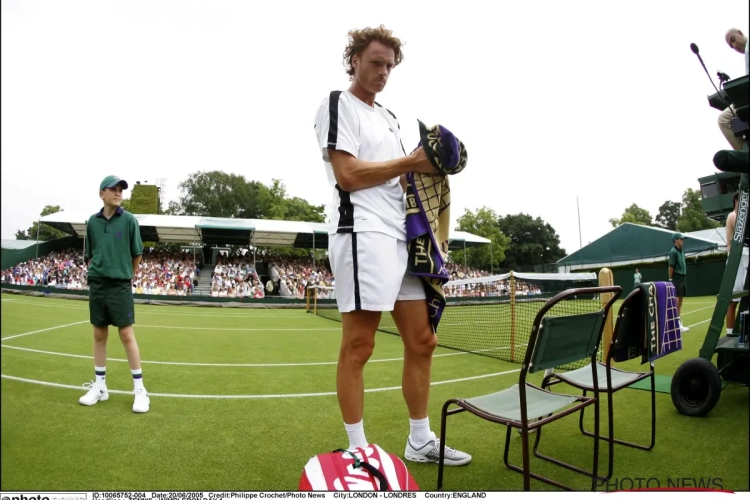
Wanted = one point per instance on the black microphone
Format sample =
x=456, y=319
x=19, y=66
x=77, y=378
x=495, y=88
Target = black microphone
x=694, y=48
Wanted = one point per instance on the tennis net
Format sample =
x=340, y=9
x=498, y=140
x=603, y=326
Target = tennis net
x=490, y=316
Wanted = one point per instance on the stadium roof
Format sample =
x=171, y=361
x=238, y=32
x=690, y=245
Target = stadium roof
x=228, y=231
x=717, y=235
x=632, y=243
x=16, y=244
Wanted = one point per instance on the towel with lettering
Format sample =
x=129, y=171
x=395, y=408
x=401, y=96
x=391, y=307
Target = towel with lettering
x=651, y=326
x=428, y=214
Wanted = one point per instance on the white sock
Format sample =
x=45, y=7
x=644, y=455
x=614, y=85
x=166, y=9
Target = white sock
x=137, y=378
x=729, y=330
x=100, y=372
x=420, y=431
x=356, y=434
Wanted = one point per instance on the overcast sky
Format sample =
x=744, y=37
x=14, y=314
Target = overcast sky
x=597, y=99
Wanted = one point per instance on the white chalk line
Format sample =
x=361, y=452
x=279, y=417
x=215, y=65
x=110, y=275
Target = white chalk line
x=226, y=314
x=252, y=396
x=696, y=310
x=43, y=330
x=699, y=323
x=238, y=365
x=222, y=329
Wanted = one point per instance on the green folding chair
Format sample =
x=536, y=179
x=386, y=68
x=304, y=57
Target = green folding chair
x=609, y=380
x=555, y=341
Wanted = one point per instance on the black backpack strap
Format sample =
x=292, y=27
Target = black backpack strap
x=369, y=468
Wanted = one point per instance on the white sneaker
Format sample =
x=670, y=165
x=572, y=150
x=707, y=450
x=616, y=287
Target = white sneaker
x=142, y=402
x=430, y=452
x=97, y=392
x=683, y=328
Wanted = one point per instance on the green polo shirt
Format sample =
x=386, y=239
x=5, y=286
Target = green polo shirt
x=111, y=245
x=677, y=260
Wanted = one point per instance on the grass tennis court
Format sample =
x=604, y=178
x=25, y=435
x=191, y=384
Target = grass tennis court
x=240, y=399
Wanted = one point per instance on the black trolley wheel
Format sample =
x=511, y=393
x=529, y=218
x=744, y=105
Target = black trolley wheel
x=696, y=387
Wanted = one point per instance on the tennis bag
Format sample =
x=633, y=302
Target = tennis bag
x=365, y=469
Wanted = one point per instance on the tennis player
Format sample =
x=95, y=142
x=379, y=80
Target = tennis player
x=366, y=165
x=113, y=249
x=739, y=280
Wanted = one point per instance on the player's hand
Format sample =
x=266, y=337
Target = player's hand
x=421, y=164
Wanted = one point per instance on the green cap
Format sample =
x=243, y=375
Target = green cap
x=111, y=181
x=678, y=236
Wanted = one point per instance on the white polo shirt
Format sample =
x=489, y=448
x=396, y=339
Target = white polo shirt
x=345, y=123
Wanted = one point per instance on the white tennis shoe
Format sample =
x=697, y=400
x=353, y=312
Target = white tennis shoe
x=97, y=392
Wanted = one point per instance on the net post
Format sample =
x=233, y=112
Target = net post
x=307, y=299
x=512, y=317
x=606, y=279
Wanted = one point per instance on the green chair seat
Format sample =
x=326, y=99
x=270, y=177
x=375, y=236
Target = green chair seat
x=506, y=404
x=582, y=377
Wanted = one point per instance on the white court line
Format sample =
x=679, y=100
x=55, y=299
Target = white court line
x=44, y=330
x=700, y=323
x=252, y=396
x=221, y=329
x=227, y=314
x=238, y=365
x=697, y=310
x=155, y=313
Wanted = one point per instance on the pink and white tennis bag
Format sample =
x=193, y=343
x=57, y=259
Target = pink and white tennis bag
x=365, y=469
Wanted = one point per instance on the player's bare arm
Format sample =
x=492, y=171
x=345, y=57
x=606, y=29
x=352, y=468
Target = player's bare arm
x=353, y=174
x=136, y=263
x=731, y=218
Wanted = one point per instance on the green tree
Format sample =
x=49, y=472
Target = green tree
x=669, y=214
x=144, y=199
x=532, y=241
x=218, y=194
x=635, y=215
x=46, y=233
x=482, y=222
x=693, y=218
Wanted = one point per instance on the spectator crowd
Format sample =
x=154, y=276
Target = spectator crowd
x=65, y=269
x=172, y=272
x=497, y=288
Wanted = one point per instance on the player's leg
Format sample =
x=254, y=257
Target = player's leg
x=122, y=310
x=411, y=316
x=364, y=288
x=725, y=118
x=739, y=285
x=680, y=285
x=357, y=343
x=100, y=320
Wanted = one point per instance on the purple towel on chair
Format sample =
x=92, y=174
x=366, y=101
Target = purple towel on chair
x=651, y=326
x=662, y=321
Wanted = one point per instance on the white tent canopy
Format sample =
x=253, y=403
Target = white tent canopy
x=217, y=230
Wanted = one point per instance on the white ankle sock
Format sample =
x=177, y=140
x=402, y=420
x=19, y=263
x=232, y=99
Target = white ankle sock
x=137, y=378
x=356, y=434
x=100, y=372
x=420, y=431
x=729, y=330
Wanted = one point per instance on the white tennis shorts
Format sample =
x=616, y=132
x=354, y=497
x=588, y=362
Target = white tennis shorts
x=370, y=271
x=739, y=281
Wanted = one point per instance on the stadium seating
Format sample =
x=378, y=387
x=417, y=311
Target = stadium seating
x=171, y=272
